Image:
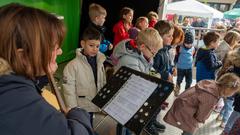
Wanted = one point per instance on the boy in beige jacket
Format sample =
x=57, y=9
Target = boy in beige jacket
x=85, y=74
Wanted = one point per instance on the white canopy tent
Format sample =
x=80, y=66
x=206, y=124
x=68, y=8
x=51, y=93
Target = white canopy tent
x=193, y=8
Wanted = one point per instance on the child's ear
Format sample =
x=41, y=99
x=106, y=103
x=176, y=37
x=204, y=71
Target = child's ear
x=20, y=52
x=96, y=18
x=142, y=46
x=82, y=43
x=124, y=17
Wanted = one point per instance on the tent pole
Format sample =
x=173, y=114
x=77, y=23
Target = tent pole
x=210, y=19
x=162, y=9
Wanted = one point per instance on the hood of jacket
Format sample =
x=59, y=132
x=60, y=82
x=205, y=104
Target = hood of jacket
x=124, y=48
x=203, y=52
x=209, y=87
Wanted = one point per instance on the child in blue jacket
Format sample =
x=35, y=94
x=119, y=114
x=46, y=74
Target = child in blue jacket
x=206, y=59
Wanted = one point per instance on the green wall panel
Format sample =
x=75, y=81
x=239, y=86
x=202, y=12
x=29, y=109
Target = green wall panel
x=70, y=10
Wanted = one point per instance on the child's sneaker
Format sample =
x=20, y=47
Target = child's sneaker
x=222, y=125
x=219, y=118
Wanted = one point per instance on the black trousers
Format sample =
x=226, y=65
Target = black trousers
x=187, y=73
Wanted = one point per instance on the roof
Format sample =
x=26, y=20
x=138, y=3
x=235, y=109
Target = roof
x=193, y=8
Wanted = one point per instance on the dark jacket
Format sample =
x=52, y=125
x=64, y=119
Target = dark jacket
x=162, y=62
x=206, y=64
x=104, y=46
x=25, y=112
x=100, y=29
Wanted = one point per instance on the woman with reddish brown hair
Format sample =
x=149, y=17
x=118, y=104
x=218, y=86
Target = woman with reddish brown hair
x=178, y=38
x=29, y=44
x=178, y=35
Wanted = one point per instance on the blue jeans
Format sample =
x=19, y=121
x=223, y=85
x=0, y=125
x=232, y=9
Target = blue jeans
x=187, y=73
x=227, y=109
x=233, y=117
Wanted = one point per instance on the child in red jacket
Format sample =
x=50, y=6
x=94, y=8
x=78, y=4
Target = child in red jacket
x=120, y=29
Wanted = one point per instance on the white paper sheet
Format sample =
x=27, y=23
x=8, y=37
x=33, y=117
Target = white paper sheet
x=130, y=98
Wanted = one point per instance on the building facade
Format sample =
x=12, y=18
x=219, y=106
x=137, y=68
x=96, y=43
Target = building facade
x=221, y=5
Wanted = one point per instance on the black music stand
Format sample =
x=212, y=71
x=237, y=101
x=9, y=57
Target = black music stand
x=132, y=98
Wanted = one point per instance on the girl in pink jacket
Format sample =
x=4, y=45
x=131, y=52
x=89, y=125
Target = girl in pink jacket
x=195, y=104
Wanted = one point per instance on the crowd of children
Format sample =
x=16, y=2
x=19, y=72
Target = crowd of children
x=150, y=45
x=169, y=50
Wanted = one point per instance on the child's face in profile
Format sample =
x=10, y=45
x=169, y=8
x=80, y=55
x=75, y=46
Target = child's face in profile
x=229, y=92
x=148, y=52
x=128, y=17
x=100, y=20
x=143, y=25
x=237, y=41
x=90, y=47
x=214, y=45
x=167, y=38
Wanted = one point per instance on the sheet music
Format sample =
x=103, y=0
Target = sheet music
x=130, y=98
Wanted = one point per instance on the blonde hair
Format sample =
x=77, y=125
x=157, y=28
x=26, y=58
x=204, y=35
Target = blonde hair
x=221, y=27
x=139, y=20
x=233, y=57
x=150, y=37
x=152, y=14
x=229, y=80
x=231, y=37
x=96, y=10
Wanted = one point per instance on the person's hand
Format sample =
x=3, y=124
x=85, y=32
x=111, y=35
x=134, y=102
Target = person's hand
x=174, y=71
x=110, y=47
x=68, y=109
x=170, y=78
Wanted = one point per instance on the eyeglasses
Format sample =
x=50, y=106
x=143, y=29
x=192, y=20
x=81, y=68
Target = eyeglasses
x=152, y=52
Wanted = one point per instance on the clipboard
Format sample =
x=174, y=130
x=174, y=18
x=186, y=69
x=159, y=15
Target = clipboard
x=132, y=98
